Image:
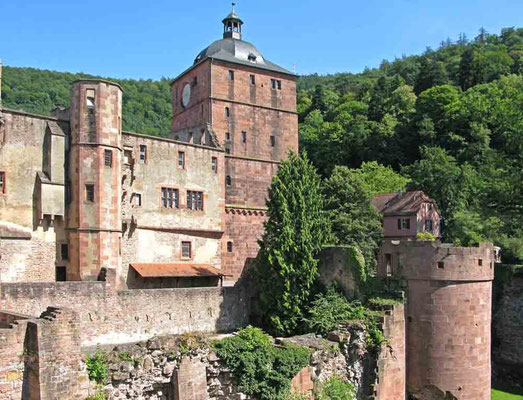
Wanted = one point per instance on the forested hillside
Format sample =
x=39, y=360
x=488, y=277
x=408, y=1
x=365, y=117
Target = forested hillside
x=450, y=120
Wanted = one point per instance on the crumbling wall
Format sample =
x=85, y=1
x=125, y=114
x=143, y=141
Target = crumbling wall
x=107, y=316
x=40, y=358
x=392, y=357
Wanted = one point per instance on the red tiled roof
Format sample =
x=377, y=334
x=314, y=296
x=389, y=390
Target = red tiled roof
x=156, y=270
x=380, y=200
x=406, y=203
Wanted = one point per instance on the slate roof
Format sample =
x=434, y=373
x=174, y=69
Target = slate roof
x=160, y=270
x=407, y=203
x=238, y=51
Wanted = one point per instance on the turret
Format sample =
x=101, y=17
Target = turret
x=232, y=25
x=95, y=221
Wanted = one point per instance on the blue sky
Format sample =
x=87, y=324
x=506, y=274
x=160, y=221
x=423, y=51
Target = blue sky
x=151, y=39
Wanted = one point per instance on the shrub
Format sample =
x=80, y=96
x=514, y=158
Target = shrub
x=97, y=396
x=259, y=368
x=336, y=389
x=125, y=356
x=97, y=367
x=425, y=237
x=328, y=310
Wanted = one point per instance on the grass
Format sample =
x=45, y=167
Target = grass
x=504, y=395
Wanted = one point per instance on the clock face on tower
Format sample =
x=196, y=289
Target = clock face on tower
x=186, y=95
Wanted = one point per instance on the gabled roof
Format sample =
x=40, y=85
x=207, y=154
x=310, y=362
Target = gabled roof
x=160, y=270
x=401, y=203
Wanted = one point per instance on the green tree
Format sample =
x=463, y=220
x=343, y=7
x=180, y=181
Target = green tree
x=354, y=220
x=295, y=231
x=380, y=179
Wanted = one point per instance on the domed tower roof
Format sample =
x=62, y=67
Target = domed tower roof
x=233, y=49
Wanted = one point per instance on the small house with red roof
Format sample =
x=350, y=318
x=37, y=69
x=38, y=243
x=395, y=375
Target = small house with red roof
x=407, y=214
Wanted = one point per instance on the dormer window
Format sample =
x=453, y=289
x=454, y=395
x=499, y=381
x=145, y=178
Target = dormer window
x=252, y=57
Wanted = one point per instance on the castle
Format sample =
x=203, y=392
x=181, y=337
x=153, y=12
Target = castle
x=80, y=198
x=138, y=235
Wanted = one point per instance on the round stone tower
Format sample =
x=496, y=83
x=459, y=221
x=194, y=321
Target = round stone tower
x=449, y=292
x=95, y=221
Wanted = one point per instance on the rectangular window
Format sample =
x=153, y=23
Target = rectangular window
x=428, y=225
x=244, y=137
x=64, y=252
x=194, y=200
x=273, y=140
x=181, y=160
x=89, y=193
x=170, y=198
x=3, y=185
x=143, y=154
x=252, y=80
x=227, y=150
x=227, y=136
x=214, y=165
x=403, y=223
x=90, y=98
x=227, y=112
x=278, y=84
x=108, y=158
x=273, y=83
x=138, y=199
x=229, y=247
x=195, y=81
x=186, y=250
x=231, y=75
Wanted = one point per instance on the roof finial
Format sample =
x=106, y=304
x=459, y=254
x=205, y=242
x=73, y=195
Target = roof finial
x=233, y=4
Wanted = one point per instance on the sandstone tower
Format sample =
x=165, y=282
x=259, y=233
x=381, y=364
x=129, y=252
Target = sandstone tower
x=95, y=221
x=449, y=292
x=249, y=104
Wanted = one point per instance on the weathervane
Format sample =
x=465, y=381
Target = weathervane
x=233, y=4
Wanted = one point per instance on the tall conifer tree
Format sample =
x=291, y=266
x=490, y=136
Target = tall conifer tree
x=295, y=231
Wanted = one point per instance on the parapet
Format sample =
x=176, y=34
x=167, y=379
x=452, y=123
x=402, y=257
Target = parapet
x=409, y=260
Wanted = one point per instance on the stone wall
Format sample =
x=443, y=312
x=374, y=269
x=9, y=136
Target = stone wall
x=244, y=227
x=40, y=358
x=392, y=357
x=336, y=266
x=106, y=316
x=507, y=326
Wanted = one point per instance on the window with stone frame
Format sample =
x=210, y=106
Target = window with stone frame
x=244, y=137
x=227, y=112
x=143, y=154
x=108, y=158
x=214, y=165
x=170, y=198
x=89, y=193
x=3, y=183
x=252, y=80
x=273, y=141
x=194, y=200
x=231, y=75
x=137, y=199
x=229, y=247
x=186, y=250
x=181, y=160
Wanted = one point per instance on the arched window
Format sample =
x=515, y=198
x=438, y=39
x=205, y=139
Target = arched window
x=228, y=180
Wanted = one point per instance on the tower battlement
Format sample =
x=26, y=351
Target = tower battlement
x=436, y=261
